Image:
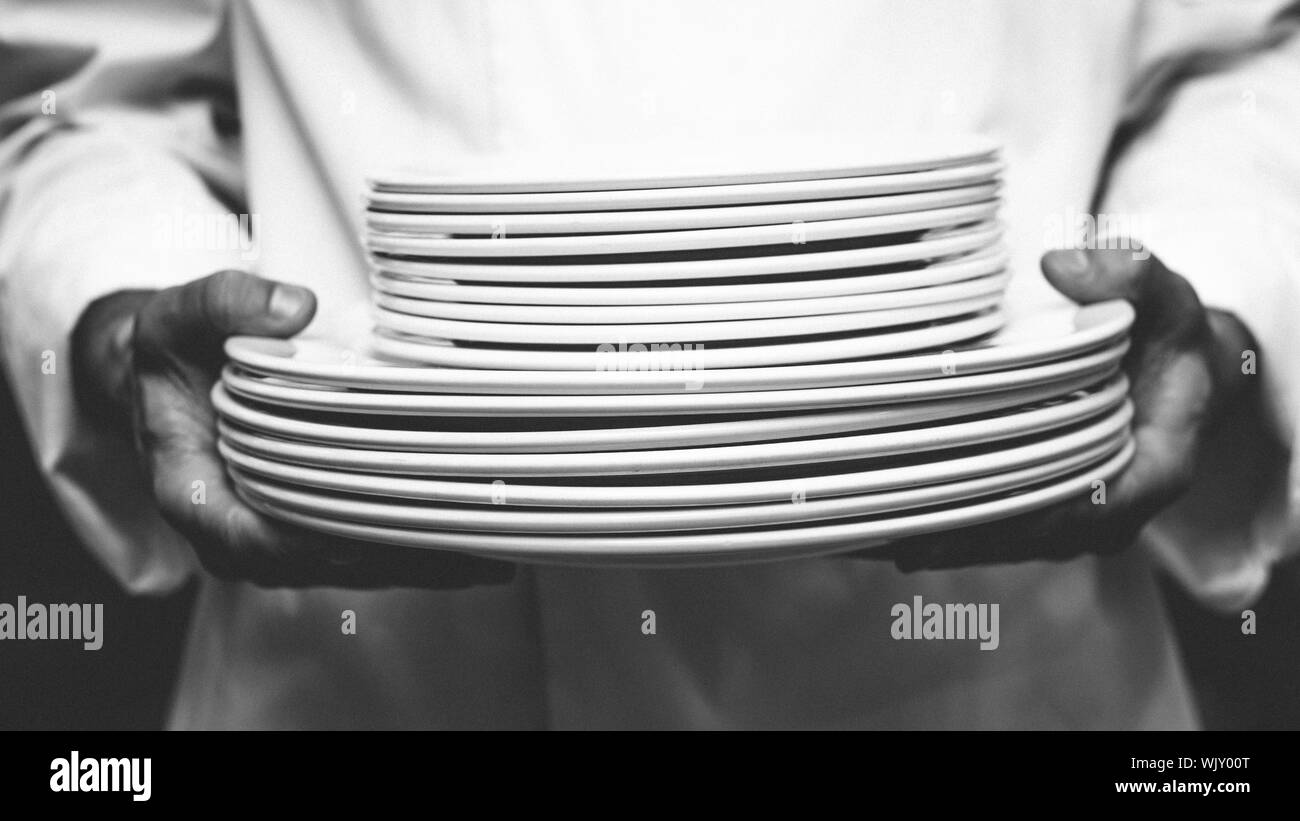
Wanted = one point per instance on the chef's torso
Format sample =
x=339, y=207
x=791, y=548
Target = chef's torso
x=333, y=90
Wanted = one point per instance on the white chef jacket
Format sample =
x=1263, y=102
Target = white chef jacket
x=330, y=90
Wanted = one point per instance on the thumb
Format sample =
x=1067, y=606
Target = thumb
x=1162, y=299
x=1096, y=275
x=195, y=318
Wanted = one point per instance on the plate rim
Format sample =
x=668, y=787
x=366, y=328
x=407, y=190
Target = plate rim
x=981, y=236
x=479, y=519
x=970, y=287
x=234, y=410
x=675, y=219
x=460, y=491
x=984, y=261
x=684, y=402
x=651, y=242
x=868, y=445
x=734, y=330
x=684, y=367
x=363, y=376
x=707, y=195
x=754, y=546
x=911, y=152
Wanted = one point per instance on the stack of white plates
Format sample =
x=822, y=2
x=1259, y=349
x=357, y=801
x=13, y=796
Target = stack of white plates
x=683, y=367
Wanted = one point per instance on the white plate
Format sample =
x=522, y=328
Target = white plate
x=935, y=246
x=601, y=434
x=655, y=242
x=674, y=219
x=679, y=369
x=923, y=469
x=275, y=391
x=687, y=197
x=759, y=330
x=682, y=362
x=480, y=518
x=705, y=312
x=958, y=269
x=1070, y=410
x=1027, y=340
x=672, y=165
x=720, y=547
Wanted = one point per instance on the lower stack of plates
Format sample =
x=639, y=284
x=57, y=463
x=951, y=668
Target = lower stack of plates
x=675, y=368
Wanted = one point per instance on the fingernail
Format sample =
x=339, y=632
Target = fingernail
x=288, y=301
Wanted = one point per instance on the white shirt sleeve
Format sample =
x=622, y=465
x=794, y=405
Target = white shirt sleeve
x=1215, y=187
x=106, y=181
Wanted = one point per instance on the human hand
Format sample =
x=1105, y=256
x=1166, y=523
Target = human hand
x=1183, y=367
x=153, y=357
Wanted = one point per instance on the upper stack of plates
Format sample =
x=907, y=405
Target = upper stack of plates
x=683, y=366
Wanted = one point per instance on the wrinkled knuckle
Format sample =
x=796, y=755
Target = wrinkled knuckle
x=216, y=298
x=225, y=281
x=229, y=295
x=230, y=286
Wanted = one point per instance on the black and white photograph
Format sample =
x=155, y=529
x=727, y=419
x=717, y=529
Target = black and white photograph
x=651, y=365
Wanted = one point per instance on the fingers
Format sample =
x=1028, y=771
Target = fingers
x=1169, y=366
x=1172, y=397
x=234, y=541
x=1170, y=369
x=176, y=353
